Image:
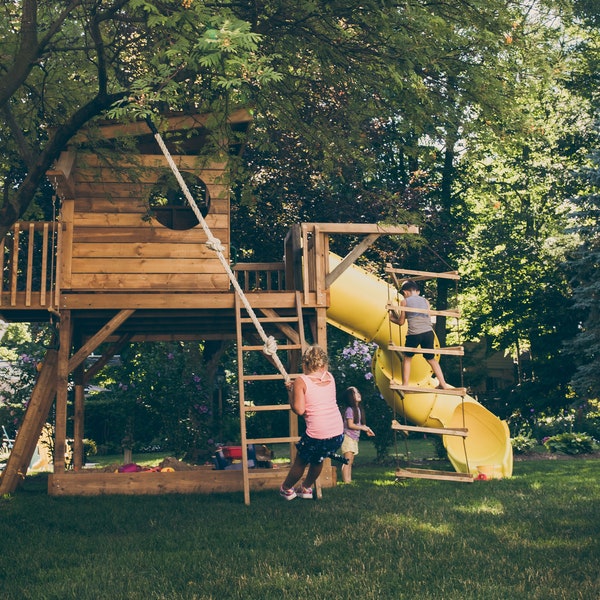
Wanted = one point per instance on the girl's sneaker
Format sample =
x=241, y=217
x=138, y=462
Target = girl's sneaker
x=287, y=494
x=303, y=492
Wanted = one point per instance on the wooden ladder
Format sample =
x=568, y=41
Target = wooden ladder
x=290, y=328
x=395, y=385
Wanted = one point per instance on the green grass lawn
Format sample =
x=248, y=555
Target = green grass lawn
x=535, y=535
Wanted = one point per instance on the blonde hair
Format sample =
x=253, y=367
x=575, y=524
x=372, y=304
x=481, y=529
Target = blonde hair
x=314, y=358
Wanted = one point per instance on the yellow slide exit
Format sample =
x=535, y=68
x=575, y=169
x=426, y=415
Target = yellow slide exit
x=358, y=306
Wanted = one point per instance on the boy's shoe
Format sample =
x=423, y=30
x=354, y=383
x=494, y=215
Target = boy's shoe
x=303, y=492
x=287, y=494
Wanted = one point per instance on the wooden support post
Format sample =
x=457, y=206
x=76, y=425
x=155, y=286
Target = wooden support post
x=62, y=390
x=78, y=415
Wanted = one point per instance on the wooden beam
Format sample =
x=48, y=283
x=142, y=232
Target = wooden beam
x=424, y=274
x=450, y=350
x=97, y=339
x=366, y=228
x=413, y=389
x=103, y=360
x=27, y=437
x=351, y=258
x=62, y=390
x=431, y=474
x=424, y=311
x=459, y=431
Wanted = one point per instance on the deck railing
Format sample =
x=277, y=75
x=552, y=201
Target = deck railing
x=28, y=268
x=29, y=273
x=260, y=277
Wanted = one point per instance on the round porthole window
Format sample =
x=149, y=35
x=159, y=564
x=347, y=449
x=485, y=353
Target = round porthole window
x=169, y=206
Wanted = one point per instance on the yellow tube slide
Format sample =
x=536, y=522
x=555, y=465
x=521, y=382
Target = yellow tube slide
x=358, y=306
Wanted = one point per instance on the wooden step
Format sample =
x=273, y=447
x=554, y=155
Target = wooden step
x=279, y=347
x=449, y=350
x=270, y=319
x=437, y=430
x=414, y=389
x=266, y=407
x=267, y=377
x=431, y=474
x=272, y=440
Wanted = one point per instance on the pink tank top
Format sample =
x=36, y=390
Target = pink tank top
x=322, y=415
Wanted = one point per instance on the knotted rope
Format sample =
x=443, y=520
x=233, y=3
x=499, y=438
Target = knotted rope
x=214, y=244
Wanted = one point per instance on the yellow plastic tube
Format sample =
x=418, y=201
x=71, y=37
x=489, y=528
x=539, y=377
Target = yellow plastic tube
x=358, y=306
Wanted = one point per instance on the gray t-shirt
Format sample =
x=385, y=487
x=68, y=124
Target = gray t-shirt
x=417, y=322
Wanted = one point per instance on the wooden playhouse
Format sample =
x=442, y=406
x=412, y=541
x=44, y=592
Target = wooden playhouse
x=124, y=260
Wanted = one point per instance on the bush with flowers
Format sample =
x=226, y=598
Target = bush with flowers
x=157, y=395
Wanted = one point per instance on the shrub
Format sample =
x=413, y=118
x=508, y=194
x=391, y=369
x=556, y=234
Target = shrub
x=523, y=444
x=571, y=443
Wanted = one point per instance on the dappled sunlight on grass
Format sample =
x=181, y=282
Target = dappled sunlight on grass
x=404, y=522
x=483, y=506
x=532, y=536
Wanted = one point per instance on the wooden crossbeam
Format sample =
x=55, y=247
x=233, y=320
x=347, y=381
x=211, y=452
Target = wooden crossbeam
x=414, y=389
x=423, y=311
x=266, y=407
x=423, y=274
x=431, y=474
x=450, y=350
x=459, y=431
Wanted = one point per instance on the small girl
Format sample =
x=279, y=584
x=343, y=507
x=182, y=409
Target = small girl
x=354, y=423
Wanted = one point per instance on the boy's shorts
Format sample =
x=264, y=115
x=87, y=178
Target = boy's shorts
x=349, y=445
x=425, y=340
x=315, y=451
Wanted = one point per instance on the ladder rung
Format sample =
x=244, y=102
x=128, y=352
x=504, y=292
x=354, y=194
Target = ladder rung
x=279, y=440
x=279, y=347
x=449, y=350
x=266, y=407
x=423, y=311
x=262, y=377
x=427, y=390
x=270, y=320
x=431, y=474
x=438, y=430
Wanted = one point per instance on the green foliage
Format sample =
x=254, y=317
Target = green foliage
x=571, y=443
x=523, y=444
x=584, y=266
x=159, y=393
x=23, y=348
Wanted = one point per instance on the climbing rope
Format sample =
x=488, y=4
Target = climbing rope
x=214, y=244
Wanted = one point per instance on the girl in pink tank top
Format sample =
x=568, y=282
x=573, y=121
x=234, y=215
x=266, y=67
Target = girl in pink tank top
x=313, y=396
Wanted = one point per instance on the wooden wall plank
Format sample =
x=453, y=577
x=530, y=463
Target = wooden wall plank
x=135, y=220
x=167, y=250
x=143, y=266
x=170, y=281
x=157, y=234
x=118, y=204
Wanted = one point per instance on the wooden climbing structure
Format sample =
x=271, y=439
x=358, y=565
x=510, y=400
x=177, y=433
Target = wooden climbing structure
x=398, y=277
x=117, y=266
